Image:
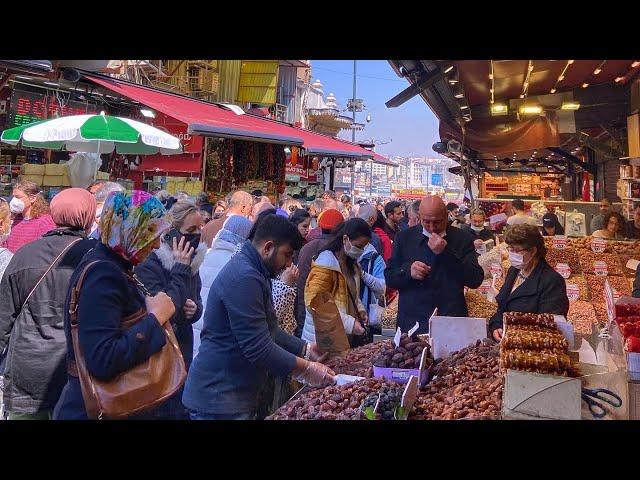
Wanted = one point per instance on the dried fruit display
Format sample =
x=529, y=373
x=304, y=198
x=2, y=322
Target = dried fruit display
x=581, y=282
x=516, y=338
x=359, y=361
x=584, y=243
x=627, y=248
x=596, y=286
x=332, y=403
x=601, y=313
x=407, y=355
x=549, y=362
x=390, y=399
x=471, y=363
x=545, y=320
x=587, y=260
x=582, y=315
x=390, y=315
x=479, y=306
x=470, y=400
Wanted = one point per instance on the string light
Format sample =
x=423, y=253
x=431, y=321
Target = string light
x=561, y=76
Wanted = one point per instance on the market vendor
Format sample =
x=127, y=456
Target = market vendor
x=551, y=225
x=478, y=231
x=531, y=285
x=430, y=266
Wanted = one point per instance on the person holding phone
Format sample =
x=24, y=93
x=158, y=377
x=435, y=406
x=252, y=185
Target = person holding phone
x=174, y=269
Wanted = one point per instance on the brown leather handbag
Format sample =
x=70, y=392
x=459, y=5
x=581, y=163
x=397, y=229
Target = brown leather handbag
x=139, y=389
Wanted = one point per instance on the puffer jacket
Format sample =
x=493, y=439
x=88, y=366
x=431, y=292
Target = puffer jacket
x=161, y=273
x=35, y=370
x=217, y=257
x=326, y=276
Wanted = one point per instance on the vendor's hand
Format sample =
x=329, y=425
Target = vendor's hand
x=358, y=329
x=315, y=355
x=478, y=243
x=182, y=251
x=497, y=334
x=437, y=244
x=419, y=270
x=161, y=306
x=364, y=318
x=290, y=275
x=189, y=309
x=317, y=375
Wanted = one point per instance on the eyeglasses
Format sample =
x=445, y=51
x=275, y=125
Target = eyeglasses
x=514, y=250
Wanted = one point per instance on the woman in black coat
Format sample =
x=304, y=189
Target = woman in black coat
x=174, y=270
x=531, y=285
x=130, y=228
x=31, y=317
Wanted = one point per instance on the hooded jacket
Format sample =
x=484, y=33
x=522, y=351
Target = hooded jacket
x=161, y=273
x=326, y=276
x=373, y=284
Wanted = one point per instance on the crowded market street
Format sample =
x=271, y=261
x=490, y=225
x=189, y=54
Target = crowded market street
x=223, y=240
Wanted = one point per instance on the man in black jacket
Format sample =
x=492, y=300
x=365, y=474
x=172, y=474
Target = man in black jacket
x=430, y=266
x=477, y=230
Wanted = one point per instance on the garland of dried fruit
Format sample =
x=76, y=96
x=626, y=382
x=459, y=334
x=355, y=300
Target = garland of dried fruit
x=220, y=165
x=279, y=167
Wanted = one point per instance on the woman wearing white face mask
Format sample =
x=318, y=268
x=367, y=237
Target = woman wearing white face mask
x=31, y=212
x=531, y=285
x=337, y=272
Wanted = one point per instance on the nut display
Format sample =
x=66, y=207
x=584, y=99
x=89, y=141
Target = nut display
x=581, y=283
x=407, y=355
x=359, y=360
x=475, y=399
x=479, y=306
x=588, y=258
x=596, y=286
x=390, y=315
x=584, y=244
x=332, y=403
x=568, y=256
x=581, y=315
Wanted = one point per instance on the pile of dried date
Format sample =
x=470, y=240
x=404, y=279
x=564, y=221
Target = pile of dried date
x=470, y=400
x=407, y=355
x=359, y=361
x=332, y=403
x=475, y=362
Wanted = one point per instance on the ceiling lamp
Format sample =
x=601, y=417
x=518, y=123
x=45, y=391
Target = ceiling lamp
x=585, y=85
x=463, y=107
x=499, y=109
x=553, y=90
x=619, y=79
x=448, y=69
x=570, y=105
x=530, y=109
x=635, y=64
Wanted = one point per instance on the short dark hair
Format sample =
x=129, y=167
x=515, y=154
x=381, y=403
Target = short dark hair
x=380, y=221
x=352, y=228
x=517, y=204
x=415, y=206
x=298, y=216
x=526, y=236
x=452, y=206
x=257, y=193
x=279, y=230
x=391, y=206
x=261, y=216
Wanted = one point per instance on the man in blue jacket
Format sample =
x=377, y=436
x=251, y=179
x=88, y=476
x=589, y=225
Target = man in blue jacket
x=430, y=266
x=241, y=339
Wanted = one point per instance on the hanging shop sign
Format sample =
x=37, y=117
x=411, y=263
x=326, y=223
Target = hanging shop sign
x=27, y=107
x=409, y=193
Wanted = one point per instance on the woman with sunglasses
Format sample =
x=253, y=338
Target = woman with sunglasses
x=531, y=285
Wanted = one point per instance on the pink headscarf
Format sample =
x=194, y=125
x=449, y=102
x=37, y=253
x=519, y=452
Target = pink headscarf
x=75, y=208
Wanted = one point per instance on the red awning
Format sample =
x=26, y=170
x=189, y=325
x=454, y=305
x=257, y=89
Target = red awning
x=202, y=117
x=377, y=158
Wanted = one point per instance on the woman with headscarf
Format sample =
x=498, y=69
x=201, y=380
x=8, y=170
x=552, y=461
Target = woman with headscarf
x=174, y=269
x=34, y=288
x=226, y=243
x=130, y=228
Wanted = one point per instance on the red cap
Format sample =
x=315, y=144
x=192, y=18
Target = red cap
x=330, y=219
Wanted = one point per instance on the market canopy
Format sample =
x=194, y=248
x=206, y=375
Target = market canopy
x=204, y=118
x=377, y=158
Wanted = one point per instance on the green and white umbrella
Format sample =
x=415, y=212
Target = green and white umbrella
x=94, y=134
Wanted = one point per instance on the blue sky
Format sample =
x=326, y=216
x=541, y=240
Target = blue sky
x=412, y=126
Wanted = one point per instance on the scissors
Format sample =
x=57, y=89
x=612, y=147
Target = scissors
x=597, y=409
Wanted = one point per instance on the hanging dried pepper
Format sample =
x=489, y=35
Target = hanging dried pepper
x=270, y=161
x=261, y=172
x=240, y=163
x=280, y=159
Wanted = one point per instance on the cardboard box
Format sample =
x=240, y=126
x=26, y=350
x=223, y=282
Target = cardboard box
x=449, y=334
x=66, y=182
x=533, y=396
x=54, y=169
x=52, y=181
x=33, y=169
x=37, y=179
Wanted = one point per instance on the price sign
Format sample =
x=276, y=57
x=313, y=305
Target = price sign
x=560, y=242
x=484, y=287
x=573, y=292
x=496, y=270
x=598, y=245
x=600, y=268
x=564, y=270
